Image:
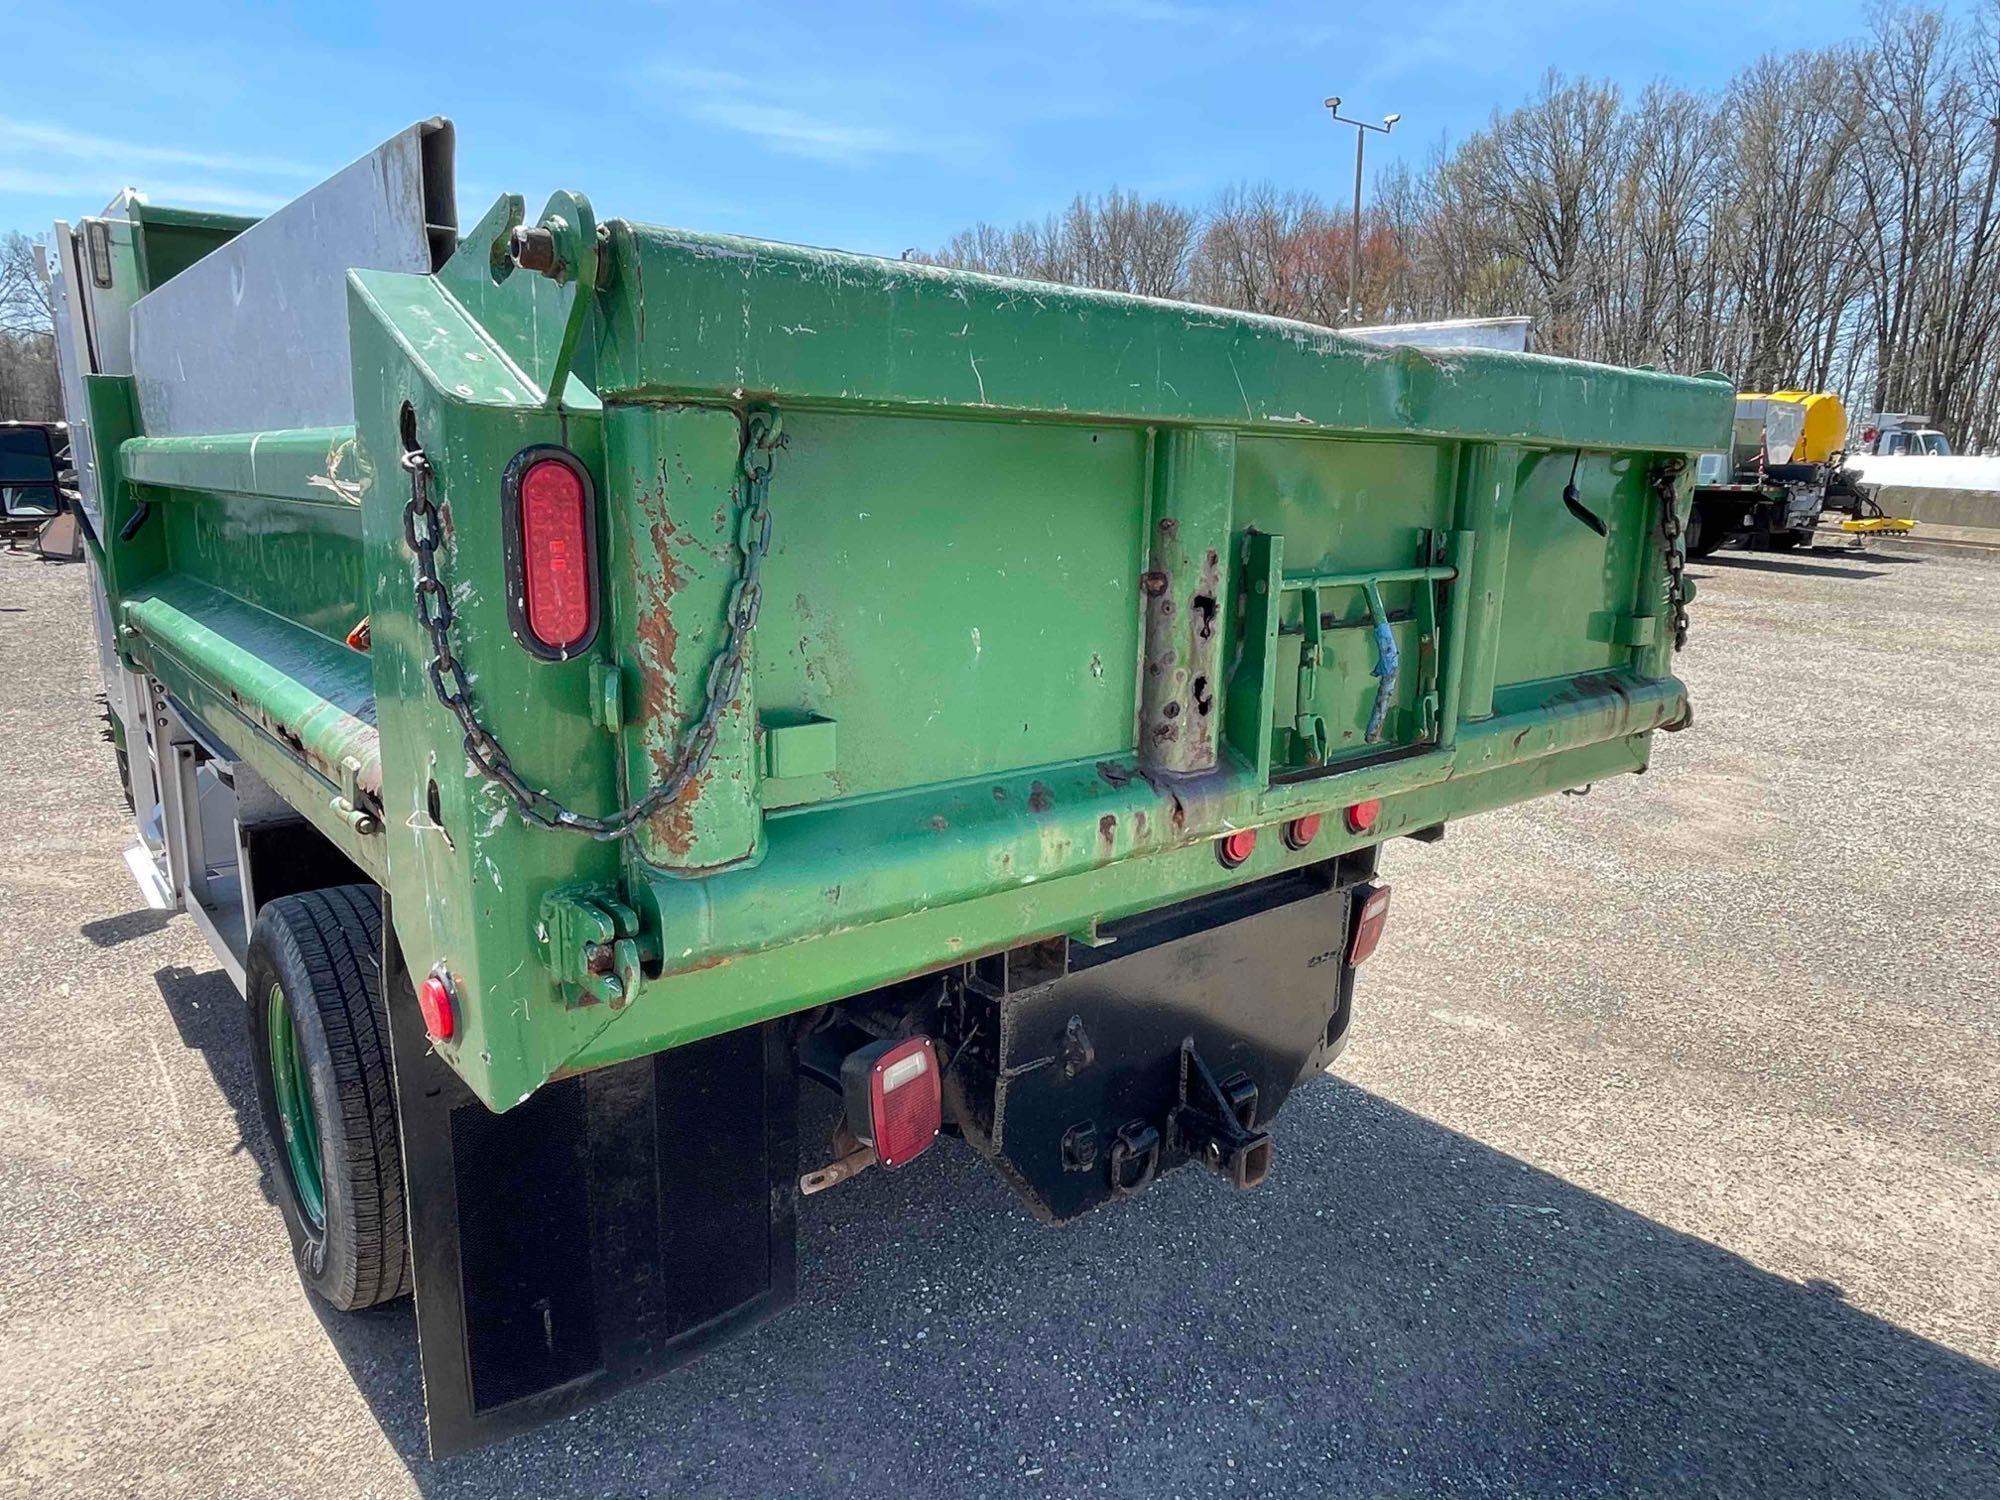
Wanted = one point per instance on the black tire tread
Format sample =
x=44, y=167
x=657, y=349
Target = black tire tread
x=337, y=936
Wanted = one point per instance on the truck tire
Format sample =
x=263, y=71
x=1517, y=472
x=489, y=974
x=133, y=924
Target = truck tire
x=320, y=1040
x=1703, y=535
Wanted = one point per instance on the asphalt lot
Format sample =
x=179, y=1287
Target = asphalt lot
x=1666, y=1159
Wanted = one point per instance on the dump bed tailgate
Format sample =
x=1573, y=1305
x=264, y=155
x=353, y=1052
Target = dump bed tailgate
x=1059, y=587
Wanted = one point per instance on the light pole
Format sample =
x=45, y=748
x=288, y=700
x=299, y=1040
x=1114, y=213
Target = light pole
x=1361, y=129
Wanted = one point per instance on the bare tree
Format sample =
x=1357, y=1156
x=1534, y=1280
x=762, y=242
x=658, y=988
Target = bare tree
x=1830, y=220
x=28, y=387
x=1118, y=242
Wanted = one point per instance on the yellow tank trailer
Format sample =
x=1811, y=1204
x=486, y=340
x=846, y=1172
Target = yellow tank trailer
x=1823, y=425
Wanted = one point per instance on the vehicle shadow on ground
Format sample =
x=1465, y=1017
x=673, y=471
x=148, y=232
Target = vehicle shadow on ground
x=1833, y=565
x=207, y=1011
x=1400, y=1308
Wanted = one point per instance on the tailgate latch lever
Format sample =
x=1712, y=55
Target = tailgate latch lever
x=592, y=944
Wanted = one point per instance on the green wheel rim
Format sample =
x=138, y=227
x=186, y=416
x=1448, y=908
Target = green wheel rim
x=291, y=1086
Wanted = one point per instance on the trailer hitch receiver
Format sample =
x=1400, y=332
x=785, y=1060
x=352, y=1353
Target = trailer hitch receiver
x=1216, y=1122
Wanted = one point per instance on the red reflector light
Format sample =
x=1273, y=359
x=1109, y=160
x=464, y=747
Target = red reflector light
x=1233, y=848
x=1371, y=914
x=1361, y=817
x=555, y=554
x=434, y=1000
x=894, y=1098
x=1301, y=831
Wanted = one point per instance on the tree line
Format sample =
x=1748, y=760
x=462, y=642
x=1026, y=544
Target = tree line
x=1826, y=221
x=28, y=390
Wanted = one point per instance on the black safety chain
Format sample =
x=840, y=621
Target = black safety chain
x=423, y=531
x=1666, y=483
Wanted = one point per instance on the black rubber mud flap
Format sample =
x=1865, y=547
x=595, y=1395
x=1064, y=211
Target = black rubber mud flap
x=611, y=1227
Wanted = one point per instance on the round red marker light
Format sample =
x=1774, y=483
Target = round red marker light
x=1301, y=831
x=1233, y=848
x=434, y=1000
x=1361, y=817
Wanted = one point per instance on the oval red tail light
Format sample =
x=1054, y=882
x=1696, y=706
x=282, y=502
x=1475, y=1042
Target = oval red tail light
x=557, y=584
x=1233, y=848
x=1301, y=831
x=434, y=1002
x=1361, y=817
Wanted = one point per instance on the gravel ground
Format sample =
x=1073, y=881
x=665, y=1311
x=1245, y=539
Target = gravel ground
x=1663, y=1160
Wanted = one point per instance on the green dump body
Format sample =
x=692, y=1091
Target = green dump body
x=1062, y=587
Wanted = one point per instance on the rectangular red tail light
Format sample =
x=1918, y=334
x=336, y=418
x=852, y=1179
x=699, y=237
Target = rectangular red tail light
x=1371, y=915
x=894, y=1098
x=551, y=551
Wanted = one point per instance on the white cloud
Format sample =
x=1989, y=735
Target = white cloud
x=95, y=187
x=730, y=101
x=72, y=145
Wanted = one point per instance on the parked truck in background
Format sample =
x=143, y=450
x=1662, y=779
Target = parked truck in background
x=1901, y=434
x=585, y=678
x=1785, y=467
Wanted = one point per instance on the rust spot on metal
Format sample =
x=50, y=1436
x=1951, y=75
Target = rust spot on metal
x=1153, y=581
x=1107, y=831
x=1139, y=824
x=999, y=794
x=1114, y=774
x=1040, y=798
x=658, y=640
x=1169, y=526
x=938, y=823
x=675, y=823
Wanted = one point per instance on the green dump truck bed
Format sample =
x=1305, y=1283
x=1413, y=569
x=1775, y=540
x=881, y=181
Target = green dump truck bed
x=887, y=620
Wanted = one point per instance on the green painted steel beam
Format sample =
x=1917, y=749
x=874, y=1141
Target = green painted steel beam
x=298, y=708
x=310, y=465
x=689, y=316
x=779, y=979
x=942, y=845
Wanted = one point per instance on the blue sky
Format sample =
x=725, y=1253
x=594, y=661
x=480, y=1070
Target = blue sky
x=868, y=126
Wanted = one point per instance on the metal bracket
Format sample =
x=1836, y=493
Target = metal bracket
x=349, y=805
x=573, y=225
x=1212, y=1126
x=591, y=942
x=607, y=696
x=1310, y=739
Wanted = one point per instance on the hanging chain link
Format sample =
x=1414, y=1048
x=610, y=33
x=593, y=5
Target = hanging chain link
x=423, y=531
x=1666, y=484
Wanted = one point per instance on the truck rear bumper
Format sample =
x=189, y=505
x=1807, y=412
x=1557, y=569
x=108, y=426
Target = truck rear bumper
x=857, y=896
